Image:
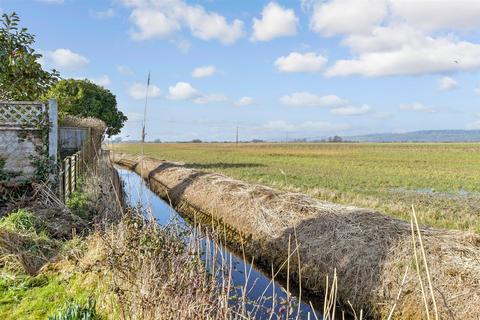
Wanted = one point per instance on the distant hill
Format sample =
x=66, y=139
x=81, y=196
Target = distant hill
x=421, y=136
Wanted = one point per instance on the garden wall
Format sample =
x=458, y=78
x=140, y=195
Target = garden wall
x=17, y=148
x=25, y=138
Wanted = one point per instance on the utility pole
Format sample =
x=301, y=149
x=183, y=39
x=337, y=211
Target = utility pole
x=237, y=137
x=286, y=137
x=143, y=129
x=145, y=110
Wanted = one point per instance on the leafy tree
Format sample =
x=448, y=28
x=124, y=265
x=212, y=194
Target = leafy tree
x=21, y=75
x=86, y=99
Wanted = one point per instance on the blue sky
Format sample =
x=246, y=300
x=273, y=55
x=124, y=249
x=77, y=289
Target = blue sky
x=304, y=68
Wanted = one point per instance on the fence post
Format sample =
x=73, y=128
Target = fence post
x=53, y=134
x=66, y=178
x=76, y=170
x=61, y=181
x=69, y=176
x=72, y=174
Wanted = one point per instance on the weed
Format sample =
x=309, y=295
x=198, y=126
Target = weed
x=77, y=311
x=78, y=204
x=23, y=221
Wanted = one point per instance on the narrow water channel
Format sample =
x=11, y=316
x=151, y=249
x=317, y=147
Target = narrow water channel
x=262, y=293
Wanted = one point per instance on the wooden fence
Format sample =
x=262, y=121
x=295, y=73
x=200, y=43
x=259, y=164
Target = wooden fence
x=73, y=167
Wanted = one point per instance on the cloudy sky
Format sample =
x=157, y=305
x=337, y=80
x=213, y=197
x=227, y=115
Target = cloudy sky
x=306, y=68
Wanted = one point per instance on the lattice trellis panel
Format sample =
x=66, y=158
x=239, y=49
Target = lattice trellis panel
x=27, y=115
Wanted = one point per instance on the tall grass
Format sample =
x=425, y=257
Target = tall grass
x=164, y=272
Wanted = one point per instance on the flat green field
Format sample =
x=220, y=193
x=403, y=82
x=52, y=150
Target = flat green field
x=442, y=181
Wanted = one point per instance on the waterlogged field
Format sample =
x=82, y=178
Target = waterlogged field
x=442, y=181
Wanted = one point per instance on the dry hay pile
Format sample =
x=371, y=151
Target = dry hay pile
x=369, y=250
x=97, y=126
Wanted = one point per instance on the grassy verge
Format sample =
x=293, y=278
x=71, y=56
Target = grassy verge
x=41, y=296
x=30, y=286
x=441, y=180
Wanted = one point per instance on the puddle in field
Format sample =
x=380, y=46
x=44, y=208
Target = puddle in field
x=453, y=195
x=244, y=277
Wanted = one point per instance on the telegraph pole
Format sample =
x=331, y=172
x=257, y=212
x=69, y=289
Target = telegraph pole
x=145, y=110
x=143, y=130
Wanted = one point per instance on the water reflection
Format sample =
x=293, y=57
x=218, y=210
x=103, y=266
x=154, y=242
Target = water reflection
x=248, y=284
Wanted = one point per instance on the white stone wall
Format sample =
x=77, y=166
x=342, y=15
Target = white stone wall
x=17, y=147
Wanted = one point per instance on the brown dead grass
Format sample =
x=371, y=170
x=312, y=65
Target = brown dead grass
x=369, y=250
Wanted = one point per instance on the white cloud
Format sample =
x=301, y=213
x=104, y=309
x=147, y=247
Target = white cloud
x=298, y=62
x=183, y=91
x=307, y=99
x=409, y=52
x=339, y=106
x=64, y=60
x=105, y=14
x=281, y=125
x=163, y=18
x=477, y=90
x=418, y=107
x=126, y=71
x=138, y=91
x=153, y=24
x=276, y=22
x=438, y=15
x=202, y=72
x=473, y=125
x=351, y=110
x=447, y=83
x=346, y=16
x=398, y=37
x=244, y=101
x=383, y=39
x=361, y=16
x=215, y=97
x=101, y=81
